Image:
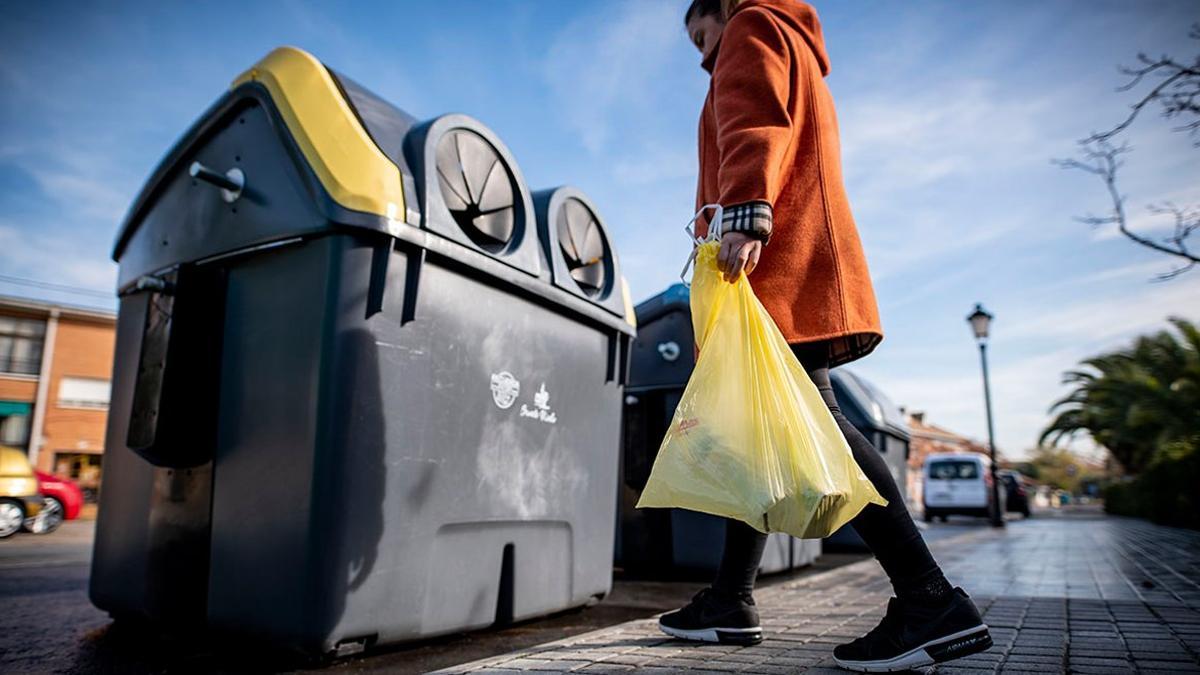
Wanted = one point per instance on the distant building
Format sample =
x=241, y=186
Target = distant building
x=929, y=439
x=55, y=365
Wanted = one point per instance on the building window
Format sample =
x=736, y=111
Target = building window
x=83, y=392
x=14, y=423
x=21, y=345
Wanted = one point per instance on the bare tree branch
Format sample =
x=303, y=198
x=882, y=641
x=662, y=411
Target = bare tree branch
x=1178, y=95
x=1154, y=95
x=1187, y=221
x=1103, y=159
x=1167, y=276
x=1178, y=92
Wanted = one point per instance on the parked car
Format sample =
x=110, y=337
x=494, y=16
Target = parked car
x=19, y=498
x=957, y=484
x=61, y=500
x=1016, y=492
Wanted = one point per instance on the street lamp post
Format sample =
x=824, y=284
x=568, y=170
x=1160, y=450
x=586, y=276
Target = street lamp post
x=980, y=320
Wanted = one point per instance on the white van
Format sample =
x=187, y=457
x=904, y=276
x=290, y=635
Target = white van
x=957, y=484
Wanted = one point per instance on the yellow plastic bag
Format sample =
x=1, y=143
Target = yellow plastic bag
x=751, y=438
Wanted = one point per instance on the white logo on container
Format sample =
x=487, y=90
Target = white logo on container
x=541, y=407
x=505, y=389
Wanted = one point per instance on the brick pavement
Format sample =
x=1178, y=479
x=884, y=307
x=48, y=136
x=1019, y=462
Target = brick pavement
x=1079, y=594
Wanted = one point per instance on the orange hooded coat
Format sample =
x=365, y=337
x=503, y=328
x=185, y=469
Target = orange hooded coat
x=769, y=154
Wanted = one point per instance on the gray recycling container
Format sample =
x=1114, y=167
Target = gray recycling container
x=667, y=542
x=880, y=420
x=367, y=387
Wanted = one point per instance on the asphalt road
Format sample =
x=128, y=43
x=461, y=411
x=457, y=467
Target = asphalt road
x=47, y=623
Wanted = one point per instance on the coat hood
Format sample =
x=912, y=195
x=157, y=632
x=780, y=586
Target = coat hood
x=797, y=15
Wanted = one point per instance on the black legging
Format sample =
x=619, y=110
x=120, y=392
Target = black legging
x=889, y=530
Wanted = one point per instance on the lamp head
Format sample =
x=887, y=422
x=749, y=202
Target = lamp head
x=980, y=320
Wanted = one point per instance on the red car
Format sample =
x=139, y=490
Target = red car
x=62, y=501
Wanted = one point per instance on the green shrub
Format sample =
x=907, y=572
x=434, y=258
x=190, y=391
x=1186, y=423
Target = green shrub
x=1167, y=492
x=1118, y=499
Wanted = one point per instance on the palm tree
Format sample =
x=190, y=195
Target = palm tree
x=1137, y=400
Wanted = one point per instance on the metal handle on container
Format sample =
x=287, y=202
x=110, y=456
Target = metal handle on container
x=231, y=182
x=155, y=284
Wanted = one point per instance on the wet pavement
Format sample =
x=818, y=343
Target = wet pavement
x=1083, y=592
x=1079, y=593
x=47, y=624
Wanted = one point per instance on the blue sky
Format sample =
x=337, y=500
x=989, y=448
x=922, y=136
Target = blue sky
x=950, y=113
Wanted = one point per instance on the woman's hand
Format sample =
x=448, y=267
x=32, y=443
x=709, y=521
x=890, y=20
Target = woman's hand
x=739, y=252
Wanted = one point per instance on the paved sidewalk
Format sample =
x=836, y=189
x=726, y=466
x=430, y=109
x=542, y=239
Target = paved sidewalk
x=1080, y=594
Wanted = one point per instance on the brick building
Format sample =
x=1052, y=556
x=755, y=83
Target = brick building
x=930, y=439
x=55, y=367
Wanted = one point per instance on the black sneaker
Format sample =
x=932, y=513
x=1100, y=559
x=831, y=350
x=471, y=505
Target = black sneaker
x=912, y=635
x=712, y=616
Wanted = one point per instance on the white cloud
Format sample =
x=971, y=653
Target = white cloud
x=1028, y=357
x=1102, y=320
x=88, y=195
x=1144, y=271
x=608, y=64
x=48, y=256
x=899, y=141
x=654, y=163
x=928, y=239
x=1142, y=219
x=81, y=196
x=923, y=167
x=1022, y=392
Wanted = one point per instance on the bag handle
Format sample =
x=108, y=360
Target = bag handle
x=714, y=234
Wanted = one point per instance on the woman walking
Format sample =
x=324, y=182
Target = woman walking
x=769, y=154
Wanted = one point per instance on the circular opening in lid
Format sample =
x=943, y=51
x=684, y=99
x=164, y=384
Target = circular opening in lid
x=583, y=246
x=478, y=187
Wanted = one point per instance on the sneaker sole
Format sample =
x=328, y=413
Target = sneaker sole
x=953, y=646
x=725, y=636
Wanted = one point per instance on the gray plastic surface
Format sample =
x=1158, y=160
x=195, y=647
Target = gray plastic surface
x=664, y=324
x=413, y=437
x=880, y=421
x=417, y=481
x=697, y=540
x=877, y=418
x=189, y=219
